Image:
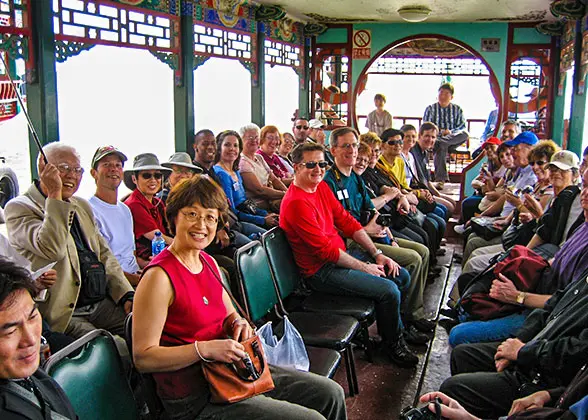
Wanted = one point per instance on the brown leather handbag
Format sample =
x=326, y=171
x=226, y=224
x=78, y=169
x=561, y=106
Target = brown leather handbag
x=233, y=382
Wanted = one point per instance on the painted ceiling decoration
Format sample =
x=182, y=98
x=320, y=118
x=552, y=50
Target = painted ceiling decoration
x=573, y=9
x=428, y=47
x=551, y=28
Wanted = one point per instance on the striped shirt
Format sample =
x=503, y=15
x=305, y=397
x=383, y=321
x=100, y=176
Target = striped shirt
x=450, y=118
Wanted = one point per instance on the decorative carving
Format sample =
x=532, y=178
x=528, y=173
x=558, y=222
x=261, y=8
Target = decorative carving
x=551, y=28
x=532, y=16
x=15, y=45
x=67, y=49
x=200, y=60
x=328, y=19
x=422, y=65
x=573, y=9
x=427, y=47
x=171, y=59
x=314, y=29
x=268, y=12
x=166, y=6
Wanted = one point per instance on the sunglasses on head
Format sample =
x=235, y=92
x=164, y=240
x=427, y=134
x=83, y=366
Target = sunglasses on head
x=149, y=175
x=302, y=127
x=395, y=142
x=311, y=165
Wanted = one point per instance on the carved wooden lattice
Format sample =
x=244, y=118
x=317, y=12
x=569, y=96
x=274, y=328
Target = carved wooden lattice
x=443, y=66
x=81, y=24
x=15, y=31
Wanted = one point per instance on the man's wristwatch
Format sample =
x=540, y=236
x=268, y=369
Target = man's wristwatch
x=378, y=252
x=521, y=298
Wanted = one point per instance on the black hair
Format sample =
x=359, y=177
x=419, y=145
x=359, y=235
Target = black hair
x=12, y=279
x=298, y=153
x=391, y=132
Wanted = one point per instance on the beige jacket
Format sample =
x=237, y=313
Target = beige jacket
x=39, y=229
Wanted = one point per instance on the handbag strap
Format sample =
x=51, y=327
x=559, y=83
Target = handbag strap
x=235, y=302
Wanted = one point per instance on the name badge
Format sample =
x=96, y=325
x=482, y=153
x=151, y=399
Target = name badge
x=236, y=186
x=342, y=194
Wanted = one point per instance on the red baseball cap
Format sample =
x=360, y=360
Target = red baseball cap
x=492, y=140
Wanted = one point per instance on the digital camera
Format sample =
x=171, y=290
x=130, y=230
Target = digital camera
x=423, y=413
x=525, y=190
x=383, y=220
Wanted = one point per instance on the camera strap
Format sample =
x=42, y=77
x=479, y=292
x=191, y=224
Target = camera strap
x=342, y=192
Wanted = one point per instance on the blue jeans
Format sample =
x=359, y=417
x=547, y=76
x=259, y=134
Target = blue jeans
x=439, y=223
x=486, y=331
x=469, y=206
x=249, y=229
x=441, y=210
x=385, y=292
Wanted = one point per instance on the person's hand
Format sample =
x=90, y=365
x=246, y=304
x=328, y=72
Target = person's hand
x=51, y=179
x=226, y=351
x=509, y=349
x=390, y=192
x=223, y=237
x=427, y=196
x=390, y=266
x=503, y=289
x=450, y=409
x=489, y=184
x=513, y=199
x=373, y=269
x=501, y=364
x=128, y=307
x=403, y=206
x=525, y=217
x=445, y=132
x=271, y=220
x=533, y=205
x=500, y=223
x=413, y=208
x=241, y=330
x=493, y=195
x=375, y=230
x=46, y=280
x=536, y=400
x=412, y=198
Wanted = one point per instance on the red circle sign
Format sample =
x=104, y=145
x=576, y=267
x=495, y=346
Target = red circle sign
x=362, y=38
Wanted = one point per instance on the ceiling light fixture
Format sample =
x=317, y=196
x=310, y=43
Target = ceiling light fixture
x=414, y=13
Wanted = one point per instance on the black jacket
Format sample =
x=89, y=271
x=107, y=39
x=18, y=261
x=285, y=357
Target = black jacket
x=15, y=407
x=556, y=336
x=553, y=223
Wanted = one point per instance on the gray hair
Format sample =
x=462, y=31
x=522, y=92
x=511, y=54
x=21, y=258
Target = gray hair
x=511, y=122
x=249, y=127
x=56, y=147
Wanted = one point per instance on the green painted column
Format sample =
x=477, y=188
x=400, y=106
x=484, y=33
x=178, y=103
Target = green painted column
x=42, y=86
x=258, y=89
x=184, y=88
x=304, y=92
x=557, y=113
x=578, y=101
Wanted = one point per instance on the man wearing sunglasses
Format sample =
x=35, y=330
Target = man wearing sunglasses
x=301, y=130
x=47, y=224
x=351, y=192
x=312, y=218
x=311, y=132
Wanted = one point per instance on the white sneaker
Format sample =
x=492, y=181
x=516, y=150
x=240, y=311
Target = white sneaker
x=460, y=229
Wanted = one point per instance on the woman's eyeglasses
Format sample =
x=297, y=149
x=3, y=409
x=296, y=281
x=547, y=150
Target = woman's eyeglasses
x=149, y=175
x=537, y=162
x=192, y=216
x=311, y=165
x=395, y=142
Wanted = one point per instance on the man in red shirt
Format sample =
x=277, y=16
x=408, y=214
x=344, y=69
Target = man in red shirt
x=312, y=217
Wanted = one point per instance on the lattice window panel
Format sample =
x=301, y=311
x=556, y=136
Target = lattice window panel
x=442, y=66
x=282, y=54
x=109, y=23
x=221, y=42
x=13, y=13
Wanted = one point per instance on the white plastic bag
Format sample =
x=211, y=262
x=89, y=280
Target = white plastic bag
x=289, y=351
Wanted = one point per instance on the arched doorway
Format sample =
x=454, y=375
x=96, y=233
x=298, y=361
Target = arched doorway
x=409, y=71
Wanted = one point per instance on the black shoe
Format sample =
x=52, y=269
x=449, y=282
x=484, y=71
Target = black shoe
x=400, y=354
x=424, y=325
x=449, y=313
x=458, y=258
x=441, y=252
x=431, y=278
x=435, y=270
x=413, y=336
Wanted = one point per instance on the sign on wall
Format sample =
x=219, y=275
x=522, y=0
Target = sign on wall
x=362, y=44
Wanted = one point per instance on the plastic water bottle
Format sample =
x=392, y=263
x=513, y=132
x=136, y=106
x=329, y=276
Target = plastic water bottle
x=157, y=244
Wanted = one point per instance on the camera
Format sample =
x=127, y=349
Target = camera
x=525, y=190
x=383, y=220
x=423, y=413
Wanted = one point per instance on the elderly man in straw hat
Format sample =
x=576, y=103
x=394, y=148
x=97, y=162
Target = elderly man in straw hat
x=47, y=224
x=113, y=218
x=146, y=180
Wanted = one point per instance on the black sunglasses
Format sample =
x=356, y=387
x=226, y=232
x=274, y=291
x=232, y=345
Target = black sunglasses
x=148, y=175
x=311, y=165
x=538, y=162
x=302, y=127
x=395, y=142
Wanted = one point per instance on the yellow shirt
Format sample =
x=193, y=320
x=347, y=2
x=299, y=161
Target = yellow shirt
x=396, y=169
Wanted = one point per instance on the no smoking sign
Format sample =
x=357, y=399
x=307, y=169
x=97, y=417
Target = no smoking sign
x=362, y=44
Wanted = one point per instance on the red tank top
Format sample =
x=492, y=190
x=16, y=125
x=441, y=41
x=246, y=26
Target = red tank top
x=196, y=314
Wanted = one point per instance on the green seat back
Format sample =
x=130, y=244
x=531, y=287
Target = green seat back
x=256, y=280
x=281, y=261
x=94, y=379
x=470, y=173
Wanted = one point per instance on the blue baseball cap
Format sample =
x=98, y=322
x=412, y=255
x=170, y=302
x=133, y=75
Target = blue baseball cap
x=526, y=137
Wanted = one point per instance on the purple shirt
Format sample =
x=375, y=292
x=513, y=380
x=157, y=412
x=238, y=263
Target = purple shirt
x=572, y=259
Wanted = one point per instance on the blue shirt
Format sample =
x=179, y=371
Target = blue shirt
x=522, y=177
x=490, y=125
x=236, y=194
x=350, y=191
x=449, y=118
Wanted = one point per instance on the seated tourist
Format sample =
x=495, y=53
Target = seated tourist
x=113, y=218
x=584, y=164
x=286, y=146
x=379, y=119
x=183, y=318
x=146, y=179
x=21, y=379
x=269, y=140
x=312, y=219
x=262, y=186
x=182, y=168
x=47, y=224
x=350, y=191
x=228, y=155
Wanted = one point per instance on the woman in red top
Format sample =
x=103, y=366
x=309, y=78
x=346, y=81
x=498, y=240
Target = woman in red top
x=269, y=142
x=180, y=300
x=146, y=179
